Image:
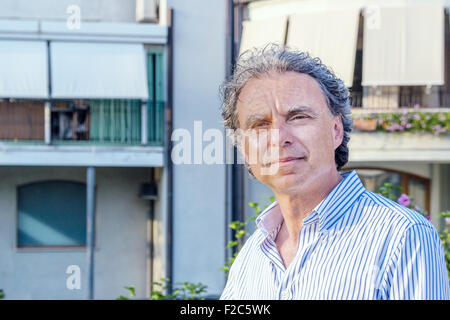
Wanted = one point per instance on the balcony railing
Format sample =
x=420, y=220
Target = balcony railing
x=22, y=121
x=90, y=122
x=400, y=97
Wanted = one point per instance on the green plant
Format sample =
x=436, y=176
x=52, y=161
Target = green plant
x=132, y=293
x=187, y=291
x=445, y=237
x=240, y=233
x=436, y=123
x=2, y=294
x=388, y=190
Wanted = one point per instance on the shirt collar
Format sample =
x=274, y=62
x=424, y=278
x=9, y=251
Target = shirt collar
x=329, y=210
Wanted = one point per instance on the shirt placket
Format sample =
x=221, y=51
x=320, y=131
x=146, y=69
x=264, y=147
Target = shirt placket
x=294, y=271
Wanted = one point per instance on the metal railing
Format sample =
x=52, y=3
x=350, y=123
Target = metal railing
x=88, y=122
x=400, y=97
x=22, y=121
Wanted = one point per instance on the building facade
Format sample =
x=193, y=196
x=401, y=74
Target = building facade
x=85, y=127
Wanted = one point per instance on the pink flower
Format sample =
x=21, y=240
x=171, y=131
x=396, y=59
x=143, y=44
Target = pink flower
x=404, y=200
x=428, y=217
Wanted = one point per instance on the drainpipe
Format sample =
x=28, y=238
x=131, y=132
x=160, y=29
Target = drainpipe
x=168, y=148
x=229, y=56
x=235, y=173
x=149, y=191
x=47, y=107
x=90, y=232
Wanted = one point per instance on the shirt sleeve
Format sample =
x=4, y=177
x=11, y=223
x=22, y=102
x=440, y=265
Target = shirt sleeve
x=418, y=269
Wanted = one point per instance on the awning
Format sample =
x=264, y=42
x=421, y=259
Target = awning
x=258, y=33
x=98, y=70
x=329, y=35
x=23, y=69
x=405, y=46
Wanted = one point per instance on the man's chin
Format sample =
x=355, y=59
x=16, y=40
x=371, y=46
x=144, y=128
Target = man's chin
x=283, y=181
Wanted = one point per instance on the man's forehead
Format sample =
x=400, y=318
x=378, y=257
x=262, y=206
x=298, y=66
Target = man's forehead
x=282, y=93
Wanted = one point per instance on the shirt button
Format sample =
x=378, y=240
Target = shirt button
x=284, y=294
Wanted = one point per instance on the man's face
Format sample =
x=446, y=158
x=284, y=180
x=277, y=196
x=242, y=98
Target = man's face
x=302, y=134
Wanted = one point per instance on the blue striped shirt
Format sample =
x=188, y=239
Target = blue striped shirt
x=355, y=244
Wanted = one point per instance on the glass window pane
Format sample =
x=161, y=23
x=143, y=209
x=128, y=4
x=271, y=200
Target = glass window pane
x=417, y=191
x=52, y=213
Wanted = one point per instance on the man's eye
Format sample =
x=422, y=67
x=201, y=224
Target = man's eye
x=298, y=117
x=260, y=124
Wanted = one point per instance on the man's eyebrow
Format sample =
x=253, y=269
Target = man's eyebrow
x=292, y=110
x=253, y=118
x=301, y=109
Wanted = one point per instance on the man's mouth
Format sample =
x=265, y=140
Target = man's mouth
x=286, y=160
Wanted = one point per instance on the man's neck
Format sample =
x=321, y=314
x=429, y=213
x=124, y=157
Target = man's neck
x=296, y=207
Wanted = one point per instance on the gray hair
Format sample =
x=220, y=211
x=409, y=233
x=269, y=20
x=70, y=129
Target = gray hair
x=258, y=62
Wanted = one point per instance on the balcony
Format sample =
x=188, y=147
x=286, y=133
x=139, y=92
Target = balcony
x=398, y=109
x=393, y=97
x=82, y=132
x=400, y=124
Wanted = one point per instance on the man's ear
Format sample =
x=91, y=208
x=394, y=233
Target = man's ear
x=338, y=131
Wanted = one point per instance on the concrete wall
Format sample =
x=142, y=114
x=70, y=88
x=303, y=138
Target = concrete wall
x=199, y=190
x=120, y=238
x=420, y=169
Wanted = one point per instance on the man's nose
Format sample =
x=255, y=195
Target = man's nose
x=281, y=136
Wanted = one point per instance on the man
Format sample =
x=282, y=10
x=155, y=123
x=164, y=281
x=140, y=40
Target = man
x=325, y=236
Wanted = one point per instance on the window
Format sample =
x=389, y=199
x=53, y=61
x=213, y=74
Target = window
x=417, y=188
x=97, y=120
x=70, y=120
x=156, y=99
x=51, y=213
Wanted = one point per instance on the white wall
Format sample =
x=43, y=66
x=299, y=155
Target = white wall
x=272, y=8
x=91, y=10
x=199, y=190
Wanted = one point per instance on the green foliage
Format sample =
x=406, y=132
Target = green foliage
x=187, y=291
x=132, y=293
x=2, y=294
x=388, y=191
x=445, y=237
x=184, y=291
x=240, y=233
